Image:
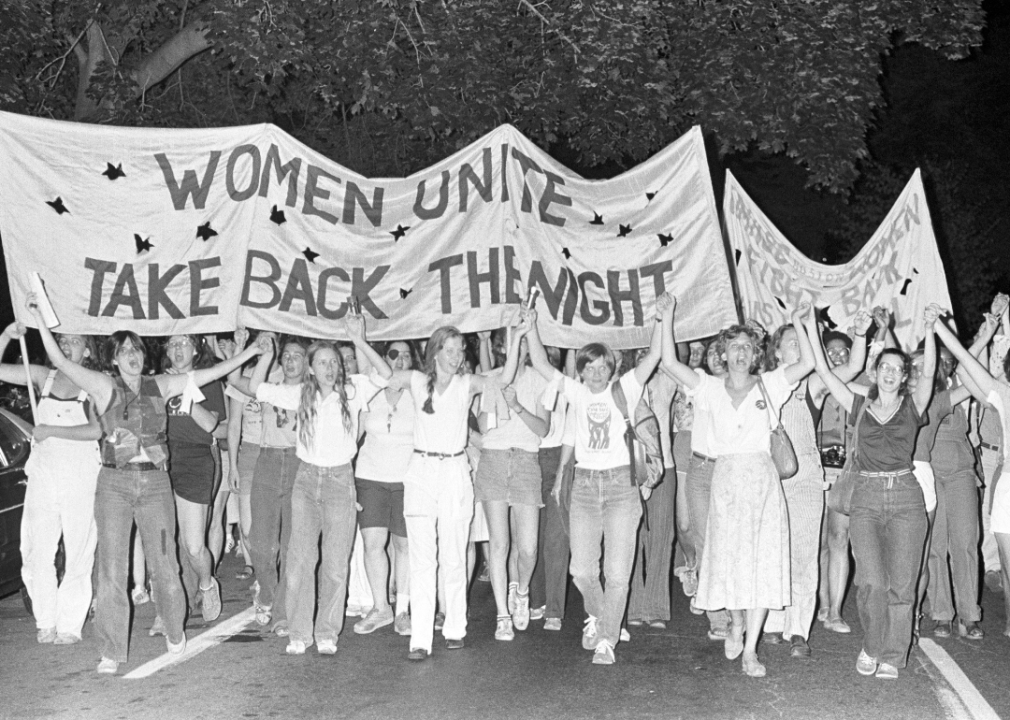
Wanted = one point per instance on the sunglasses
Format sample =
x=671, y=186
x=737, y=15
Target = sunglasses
x=393, y=354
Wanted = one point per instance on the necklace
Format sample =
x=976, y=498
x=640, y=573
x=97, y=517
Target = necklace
x=392, y=409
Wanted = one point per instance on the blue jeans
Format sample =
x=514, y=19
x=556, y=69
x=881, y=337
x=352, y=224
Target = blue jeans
x=323, y=501
x=122, y=498
x=887, y=527
x=955, y=536
x=650, y=587
x=605, y=508
x=270, y=506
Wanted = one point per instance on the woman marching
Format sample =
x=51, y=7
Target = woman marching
x=605, y=504
x=437, y=490
x=133, y=484
x=323, y=500
x=887, y=524
x=60, y=499
x=745, y=559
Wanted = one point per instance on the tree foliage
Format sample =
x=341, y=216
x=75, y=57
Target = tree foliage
x=386, y=86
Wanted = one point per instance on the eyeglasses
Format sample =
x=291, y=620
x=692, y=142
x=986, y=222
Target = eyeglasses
x=179, y=345
x=890, y=369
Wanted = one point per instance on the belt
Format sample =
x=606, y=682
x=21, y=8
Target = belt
x=885, y=475
x=138, y=466
x=989, y=446
x=703, y=458
x=440, y=456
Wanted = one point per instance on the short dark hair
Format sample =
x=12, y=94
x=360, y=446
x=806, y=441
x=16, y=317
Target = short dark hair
x=593, y=352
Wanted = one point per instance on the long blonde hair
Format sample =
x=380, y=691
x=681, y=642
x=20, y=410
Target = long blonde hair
x=435, y=344
x=311, y=390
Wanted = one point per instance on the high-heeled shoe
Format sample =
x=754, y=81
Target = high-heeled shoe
x=969, y=631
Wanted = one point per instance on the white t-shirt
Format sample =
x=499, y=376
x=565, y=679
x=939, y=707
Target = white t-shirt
x=514, y=433
x=445, y=431
x=556, y=433
x=1000, y=519
x=389, y=439
x=736, y=431
x=332, y=445
x=598, y=422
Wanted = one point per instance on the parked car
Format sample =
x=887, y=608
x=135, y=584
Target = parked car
x=15, y=445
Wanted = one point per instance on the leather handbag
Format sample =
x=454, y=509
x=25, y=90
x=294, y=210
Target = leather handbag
x=840, y=493
x=781, y=447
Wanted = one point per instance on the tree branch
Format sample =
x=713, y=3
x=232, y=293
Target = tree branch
x=191, y=40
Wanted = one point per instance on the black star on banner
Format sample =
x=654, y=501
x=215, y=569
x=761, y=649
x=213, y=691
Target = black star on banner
x=405, y=293
x=624, y=231
x=113, y=171
x=142, y=243
x=310, y=255
x=824, y=318
x=277, y=216
x=665, y=240
x=205, y=232
x=568, y=255
x=649, y=196
x=597, y=219
x=57, y=205
x=399, y=232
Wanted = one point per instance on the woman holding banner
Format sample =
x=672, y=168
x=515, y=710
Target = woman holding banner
x=60, y=498
x=133, y=484
x=887, y=523
x=745, y=560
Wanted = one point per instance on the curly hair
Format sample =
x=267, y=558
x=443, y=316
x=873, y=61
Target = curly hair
x=311, y=389
x=435, y=344
x=906, y=363
x=735, y=331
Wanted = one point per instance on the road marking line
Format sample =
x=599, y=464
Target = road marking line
x=204, y=641
x=976, y=705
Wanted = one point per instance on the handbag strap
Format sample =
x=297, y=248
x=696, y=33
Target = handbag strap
x=776, y=422
x=622, y=404
x=855, y=429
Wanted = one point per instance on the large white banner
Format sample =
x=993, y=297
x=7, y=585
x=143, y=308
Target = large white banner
x=173, y=231
x=899, y=268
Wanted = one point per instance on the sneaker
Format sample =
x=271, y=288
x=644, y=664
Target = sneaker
x=454, y=644
x=229, y=544
x=552, y=624
x=865, y=665
x=326, y=647
x=688, y=580
x=46, y=636
x=108, y=667
x=439, y=620
x=140, y=595
x=658, y=624
x=418, y=654
x=589, y=634
x=625, y=635
x=521, y=614
x=887, y=672
x=374, y=620
x=513, y=591
x=211, y=597
x=296, y=647
x=538, y=613
x=718, y=634
x=604, y=654
x=402, y=623
x=176, y=648
x=157, y=627
x=504, y=630
x=66, y=639
x=262, y=615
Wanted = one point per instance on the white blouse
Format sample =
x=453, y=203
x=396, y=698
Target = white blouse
x=745, y=429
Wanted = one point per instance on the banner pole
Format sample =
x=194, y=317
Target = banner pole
x=28, y=377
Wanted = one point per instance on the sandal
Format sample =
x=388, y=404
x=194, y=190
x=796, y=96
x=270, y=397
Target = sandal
x=245, y=573
x=970, y=631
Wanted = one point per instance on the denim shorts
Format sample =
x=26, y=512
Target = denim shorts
x=193, y=471
x=511, y=476
x=381, y=506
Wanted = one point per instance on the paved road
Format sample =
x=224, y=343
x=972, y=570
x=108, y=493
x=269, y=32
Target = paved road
x=669, y=674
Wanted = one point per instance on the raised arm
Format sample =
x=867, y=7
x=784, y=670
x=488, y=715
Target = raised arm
x=680, y=372
x=797, y=371
x=12, y=372
x=838, y=389
x=172, y=385
x=924, y=390
x=355, y=326
x=259, y=375
x=857, y=358
x=97, y=384
x=986, y=383
x=538, y=356
x=650, y=361
x=508, y=373
x=484, y=351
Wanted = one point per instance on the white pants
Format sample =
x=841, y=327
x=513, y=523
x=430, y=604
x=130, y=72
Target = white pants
x=60, y=500
x=438, y=507
x=990, y=553
x=923, y=472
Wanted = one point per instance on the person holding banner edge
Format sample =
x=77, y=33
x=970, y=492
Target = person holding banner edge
x=887, y=523
x=60, y=498
x=133, y=483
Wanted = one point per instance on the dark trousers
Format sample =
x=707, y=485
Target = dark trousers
x=549, y=584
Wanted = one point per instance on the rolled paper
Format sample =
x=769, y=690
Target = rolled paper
x=28, y=377
x=190, y=395
x=48, y=314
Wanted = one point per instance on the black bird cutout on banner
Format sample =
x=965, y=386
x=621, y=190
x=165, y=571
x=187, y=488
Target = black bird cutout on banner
x=568, y=255
x=399, y=232
x=825, y=319
x=57, y=205
x=649, y=196
x=142, y=243
x=665, y=240
x=277, y=216
x=205, y=232
x=597, y=219
x=624, y=231
x=114, y=172
x=310, y=255
x=405, y=293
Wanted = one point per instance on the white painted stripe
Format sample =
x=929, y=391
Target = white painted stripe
x=976, y=705
x=194, y=646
